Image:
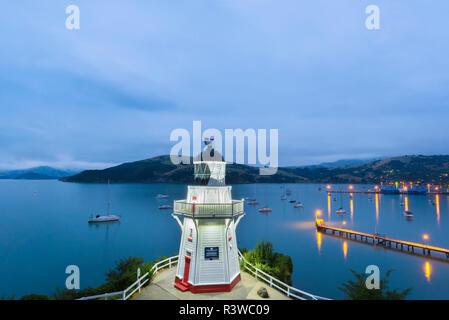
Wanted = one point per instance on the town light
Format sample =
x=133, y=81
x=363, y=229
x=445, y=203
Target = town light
x=351, y=187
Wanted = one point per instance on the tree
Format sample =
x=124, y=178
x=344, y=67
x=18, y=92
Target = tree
x=357, y=290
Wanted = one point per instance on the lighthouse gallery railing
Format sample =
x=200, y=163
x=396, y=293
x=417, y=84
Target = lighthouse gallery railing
x=209, y=209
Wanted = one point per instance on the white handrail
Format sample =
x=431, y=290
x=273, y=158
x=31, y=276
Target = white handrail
x=140, y=282
x=259, y=274
x=278, y=284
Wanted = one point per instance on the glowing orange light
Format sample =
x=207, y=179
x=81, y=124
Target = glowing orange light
x=318, y=213
x=437, y=200
x=343, y=223
x=328, y=186
x=377, y=208
x=425, y=236
x=329, y=206
x=376, y=187
x=318, y=240
x=351, y=187
x=427, y=270
x=352, y=210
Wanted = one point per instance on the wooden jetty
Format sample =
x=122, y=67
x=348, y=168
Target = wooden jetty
x=378, y=239
x=387, y=193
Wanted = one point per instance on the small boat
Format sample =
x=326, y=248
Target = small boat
x=165, y=207
x=162, y=196
x=253, y=203
x=288, y=192
x=250, y=199
x=408, y=214
x=265, y=209
x=292, y=201
x=298, y=205
x=105, y=218
x=283, y=198
x=340, y=211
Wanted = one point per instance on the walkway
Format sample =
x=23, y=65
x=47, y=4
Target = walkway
x=162, y=288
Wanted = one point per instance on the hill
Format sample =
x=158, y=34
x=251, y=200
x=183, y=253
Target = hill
x=428, y=169
x=37, y=173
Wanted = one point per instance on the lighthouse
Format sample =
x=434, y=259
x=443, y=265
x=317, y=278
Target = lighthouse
x=208, y=255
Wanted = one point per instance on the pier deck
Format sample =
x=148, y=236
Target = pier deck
x=388, y=193
x=377, y=239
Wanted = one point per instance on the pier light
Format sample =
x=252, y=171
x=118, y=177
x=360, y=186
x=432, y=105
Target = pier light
x=351, y=187
x=425, y=236
x=328, y=186
x=376, y=187
x=343, y=223
x=318, y=213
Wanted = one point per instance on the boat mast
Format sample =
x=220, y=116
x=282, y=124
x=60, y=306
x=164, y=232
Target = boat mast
x=109, y=199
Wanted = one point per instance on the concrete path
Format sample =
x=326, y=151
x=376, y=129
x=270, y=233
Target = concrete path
x=162, y=288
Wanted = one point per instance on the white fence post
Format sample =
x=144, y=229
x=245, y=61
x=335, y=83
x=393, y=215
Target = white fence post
x=138, y=278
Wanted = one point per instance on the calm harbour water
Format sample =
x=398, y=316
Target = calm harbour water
x=44, y=228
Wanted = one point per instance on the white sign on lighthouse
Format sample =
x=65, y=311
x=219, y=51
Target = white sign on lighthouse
x=208, y=254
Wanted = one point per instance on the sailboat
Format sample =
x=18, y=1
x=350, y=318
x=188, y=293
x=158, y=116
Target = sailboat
x=105, y=218
x=253, y=201
x=340, y=210
x=283, y=197
x=265, y=209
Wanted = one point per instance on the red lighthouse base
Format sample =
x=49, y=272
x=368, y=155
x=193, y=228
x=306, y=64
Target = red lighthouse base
x=183, y=286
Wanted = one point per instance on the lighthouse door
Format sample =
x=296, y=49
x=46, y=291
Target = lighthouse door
x=185, y=279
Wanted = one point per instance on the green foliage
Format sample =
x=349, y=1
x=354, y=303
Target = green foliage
x=357, y=290
x=275, y=264
x=35, y=296
x=122, y=276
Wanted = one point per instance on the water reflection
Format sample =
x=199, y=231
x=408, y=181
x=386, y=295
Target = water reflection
x=427, y=270
x=377, y=208
x=329, y=206
x=352, y=210
x=437, y=203
x=406, y=203
x=318, y=240
x=345, y=249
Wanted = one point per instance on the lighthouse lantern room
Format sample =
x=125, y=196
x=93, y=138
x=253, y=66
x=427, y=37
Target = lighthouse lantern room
x=208, y=254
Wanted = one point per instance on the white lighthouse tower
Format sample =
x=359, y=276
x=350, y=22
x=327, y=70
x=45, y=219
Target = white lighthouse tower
x=208, y=254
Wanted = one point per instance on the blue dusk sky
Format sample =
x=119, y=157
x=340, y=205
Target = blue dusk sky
x=114, y=90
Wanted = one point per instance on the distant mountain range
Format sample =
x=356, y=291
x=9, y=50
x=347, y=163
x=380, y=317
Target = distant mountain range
x=428, y=169
x=37, y=173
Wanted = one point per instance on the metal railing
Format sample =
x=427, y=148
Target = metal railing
x=288, y=290
x=210, y=210
x=140, y=282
